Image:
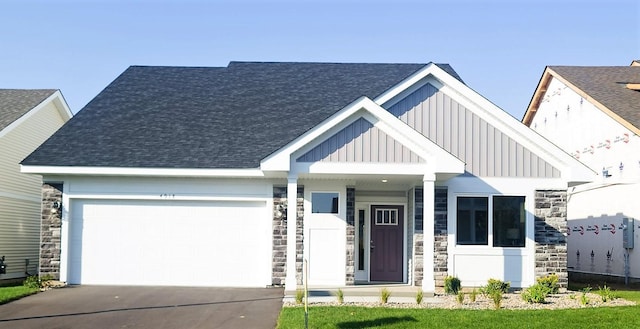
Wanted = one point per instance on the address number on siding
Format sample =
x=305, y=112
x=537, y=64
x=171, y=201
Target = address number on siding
x=167, y=196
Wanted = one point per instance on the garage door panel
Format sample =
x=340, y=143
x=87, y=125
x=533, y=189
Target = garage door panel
x=170, y=243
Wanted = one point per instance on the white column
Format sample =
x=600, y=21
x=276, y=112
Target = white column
x=290, y=283
x=428, y=281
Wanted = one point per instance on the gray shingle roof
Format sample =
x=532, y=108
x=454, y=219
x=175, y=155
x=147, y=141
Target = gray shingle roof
x=14, y=103
x=607, y=85
x=215, y=117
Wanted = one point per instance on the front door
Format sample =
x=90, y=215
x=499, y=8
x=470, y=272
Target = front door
x=386, y=243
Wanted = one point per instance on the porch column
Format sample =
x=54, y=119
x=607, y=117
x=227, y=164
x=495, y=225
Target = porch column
x=290, y=283
x=428, y=282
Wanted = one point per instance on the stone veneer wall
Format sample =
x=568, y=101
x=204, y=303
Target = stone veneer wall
x=279, y=245
x=410, y=235
x=50, y=231
x=350, y=278
x=418, y=237
x=550, y=228
x=440, y=230
x=299, y=233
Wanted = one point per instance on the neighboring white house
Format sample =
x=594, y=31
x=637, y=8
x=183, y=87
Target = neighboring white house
x=594, y=114
x=27, y=119
x=232, y=176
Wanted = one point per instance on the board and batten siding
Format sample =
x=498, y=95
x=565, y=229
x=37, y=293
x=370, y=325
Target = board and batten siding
x=360, y=141
x=487, y=151
x=20, y=194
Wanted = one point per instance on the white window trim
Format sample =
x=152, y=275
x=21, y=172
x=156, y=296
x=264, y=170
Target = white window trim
x=340, y=196
x=489, y=244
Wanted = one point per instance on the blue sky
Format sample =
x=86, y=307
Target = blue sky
x=500, y=48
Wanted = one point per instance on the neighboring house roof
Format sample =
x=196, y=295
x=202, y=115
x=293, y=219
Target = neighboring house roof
x=605, y=86
x=216, y=117
x=14, y=103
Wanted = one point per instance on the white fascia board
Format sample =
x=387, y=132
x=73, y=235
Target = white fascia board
x=161, y=172
x=58, y=102
x=571, y=169
x=62, y=105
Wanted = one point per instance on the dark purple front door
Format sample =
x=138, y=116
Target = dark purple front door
x=386, y=243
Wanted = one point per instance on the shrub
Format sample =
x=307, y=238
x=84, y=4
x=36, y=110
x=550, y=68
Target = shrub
x=384, y=295
x=38, y=282
x=460, y=297
x=451, y=285
x=535, y=294
x=494, y=285
x=419, y=296
x=606, y=294
x=496, y=297
x=473, y=295
x=299, y=296
x=340, y=296
x=551, y=282
x=584, y=299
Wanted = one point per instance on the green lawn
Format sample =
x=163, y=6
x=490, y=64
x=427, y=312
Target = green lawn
x=361, y=317
x=10, y=293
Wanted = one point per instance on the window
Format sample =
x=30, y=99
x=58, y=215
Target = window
x=386, y=216
x=324, y=202
x=472, y=221
x=361, y=240
x=507, y=226
x=508, y=221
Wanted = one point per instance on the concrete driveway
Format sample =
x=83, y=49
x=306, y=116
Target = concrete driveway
x=145, y=307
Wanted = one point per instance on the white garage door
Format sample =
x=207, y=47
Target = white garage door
x=170, y=243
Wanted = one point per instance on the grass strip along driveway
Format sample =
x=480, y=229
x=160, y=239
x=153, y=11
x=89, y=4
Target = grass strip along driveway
x=380, y=317
x=363, y=317
x=11, y=293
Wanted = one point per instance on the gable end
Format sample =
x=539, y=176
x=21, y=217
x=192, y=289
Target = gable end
x=360, y=141
x=487, y=151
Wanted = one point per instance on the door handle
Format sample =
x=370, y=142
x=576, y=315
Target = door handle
x=372, y=246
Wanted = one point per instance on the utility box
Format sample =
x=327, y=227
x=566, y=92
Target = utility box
x=627, y=233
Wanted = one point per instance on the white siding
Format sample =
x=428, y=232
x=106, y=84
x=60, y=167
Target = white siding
x=20, y=194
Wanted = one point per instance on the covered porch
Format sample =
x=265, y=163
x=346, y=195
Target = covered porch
x=366, y=232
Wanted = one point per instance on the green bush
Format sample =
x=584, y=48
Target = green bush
x=473, y=295
x=451, y=285
x=384, y=295
x=496, y=297
x=37, y=282
x=340, y=296
x=584, y=299
x=551, y=282
x=535, y=294
x=606, y=294
x=419, y=296
x=460, y=297
x=299, y=296
x=494, y=285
